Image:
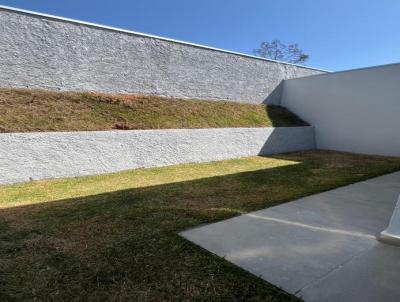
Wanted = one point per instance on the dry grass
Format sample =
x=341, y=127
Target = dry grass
x=114, y=237
x=26, y=110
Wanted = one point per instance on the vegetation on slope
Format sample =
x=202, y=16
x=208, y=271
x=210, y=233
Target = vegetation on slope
x=26, y=110
x=114, y=237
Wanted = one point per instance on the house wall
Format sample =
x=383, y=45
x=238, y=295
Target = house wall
x=41, y=51
x=32, y=156
x=355, y=111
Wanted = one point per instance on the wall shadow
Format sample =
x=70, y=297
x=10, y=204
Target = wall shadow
x=129, y=237
x=200, y=190
x=282, y=117
x=274, y=98
x=282, y=141
x=279, y=115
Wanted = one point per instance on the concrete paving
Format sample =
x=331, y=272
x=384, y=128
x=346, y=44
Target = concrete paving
x=320, y=248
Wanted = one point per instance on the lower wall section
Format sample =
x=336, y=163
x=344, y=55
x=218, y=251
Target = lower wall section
x=32, y=156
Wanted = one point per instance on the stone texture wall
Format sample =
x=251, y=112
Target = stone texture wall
x=47, y=52
x=25, y=156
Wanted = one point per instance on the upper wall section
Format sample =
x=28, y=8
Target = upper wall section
x=356, y=111
x=41, y=51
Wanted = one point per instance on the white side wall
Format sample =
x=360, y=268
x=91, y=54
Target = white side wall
x=25, y=156
x=355, y=111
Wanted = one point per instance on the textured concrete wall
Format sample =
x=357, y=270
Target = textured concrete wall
x=47, y=52
x=25, y=156
x=355, y=111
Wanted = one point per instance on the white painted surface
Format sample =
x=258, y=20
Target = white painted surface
x=391, y=234
x=117, y=29
x=25, y=156
x=355, y=111
x=42, y=51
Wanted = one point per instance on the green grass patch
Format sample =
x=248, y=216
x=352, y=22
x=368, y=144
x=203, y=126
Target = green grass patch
x=26, y=110
x=114, y=237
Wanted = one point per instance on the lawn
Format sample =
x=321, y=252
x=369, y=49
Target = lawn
x=114, y=237
x=27, y=110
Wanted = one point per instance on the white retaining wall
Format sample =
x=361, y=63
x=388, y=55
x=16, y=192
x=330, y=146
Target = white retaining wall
x=32, y=156
x=42, y=51
x=355, y=111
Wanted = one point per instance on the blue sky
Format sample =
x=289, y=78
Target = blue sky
x=337, y=34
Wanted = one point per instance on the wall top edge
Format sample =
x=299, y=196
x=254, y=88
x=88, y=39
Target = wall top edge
x=116, y=29
x=148, y=131
x=332, y=73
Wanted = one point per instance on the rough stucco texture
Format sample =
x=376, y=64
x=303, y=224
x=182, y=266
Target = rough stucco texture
x=25, y=156
x=40, y=52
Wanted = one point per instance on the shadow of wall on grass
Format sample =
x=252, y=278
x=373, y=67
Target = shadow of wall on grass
x=112, y=230
x=280, y=116
x=225, y=192
x=207, y=191
x=142, y=219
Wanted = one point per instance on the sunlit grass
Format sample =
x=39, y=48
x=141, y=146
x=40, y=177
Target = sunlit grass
x=114, y=237
x=56, y=189
x=32, y=110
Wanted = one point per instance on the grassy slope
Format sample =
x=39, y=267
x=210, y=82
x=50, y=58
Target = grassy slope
x=114, y=237
x=23, y=110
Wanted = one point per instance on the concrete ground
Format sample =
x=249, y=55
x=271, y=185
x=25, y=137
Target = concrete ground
x=320, y=248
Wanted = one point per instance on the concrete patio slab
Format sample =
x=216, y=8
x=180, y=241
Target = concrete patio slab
x=322, y=247
x=387, y=180
x=370, y=193
x=372, y=276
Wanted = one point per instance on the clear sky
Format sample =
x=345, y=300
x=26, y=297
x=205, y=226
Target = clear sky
x=337, y=34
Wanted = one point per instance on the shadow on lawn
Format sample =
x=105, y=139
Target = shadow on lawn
x=227, y=192
x=280, y=116
x=232, y=193
x=124, y=243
